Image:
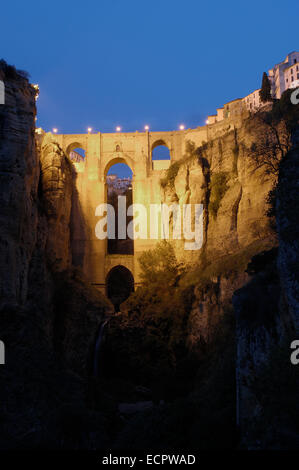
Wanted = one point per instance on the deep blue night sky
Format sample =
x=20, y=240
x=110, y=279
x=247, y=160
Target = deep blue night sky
x=104, y=63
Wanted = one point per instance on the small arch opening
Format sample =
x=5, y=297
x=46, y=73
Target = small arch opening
x=76, y=152
x=119, y=285
x=77, y=155
x=160, y=151
x=119, y=183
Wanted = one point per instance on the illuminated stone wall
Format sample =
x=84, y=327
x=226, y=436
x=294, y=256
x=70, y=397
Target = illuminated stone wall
x=102, y=151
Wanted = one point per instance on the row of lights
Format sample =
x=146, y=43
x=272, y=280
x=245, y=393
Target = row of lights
x=118, y=129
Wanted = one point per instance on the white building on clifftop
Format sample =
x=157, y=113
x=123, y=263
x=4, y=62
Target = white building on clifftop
x=285, y=75
x=282, y=76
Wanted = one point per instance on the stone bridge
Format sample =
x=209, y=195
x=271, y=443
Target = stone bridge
x=102, y=150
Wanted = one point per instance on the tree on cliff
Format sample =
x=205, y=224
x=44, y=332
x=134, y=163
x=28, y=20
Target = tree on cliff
x=272, y=130
x=159, y=265
x=265, y=91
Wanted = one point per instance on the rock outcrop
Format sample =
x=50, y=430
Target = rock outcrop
x=224, y=177
x=19, y=173
x=56, y=187
x=267, y=312
x=49, y=315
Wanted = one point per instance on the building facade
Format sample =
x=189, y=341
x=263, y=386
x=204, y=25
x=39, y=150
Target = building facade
x=282, y=76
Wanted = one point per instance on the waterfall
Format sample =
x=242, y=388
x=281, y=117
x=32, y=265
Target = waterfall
x=97, y=348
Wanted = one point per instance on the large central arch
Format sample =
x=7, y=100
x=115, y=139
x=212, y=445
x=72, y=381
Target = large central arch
x=119, y=159
x=118, y=185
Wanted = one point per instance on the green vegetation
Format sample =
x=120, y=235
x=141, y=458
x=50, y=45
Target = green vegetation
x=218, y=187
x=285, y=110
x=225, y=266
x=203, y=419
x=191, y=152
x=148, y=344
x=235, y=160
x=265, y=91
x=159, y=265
x=11, y=72
x=273, y=131
x=171, y=174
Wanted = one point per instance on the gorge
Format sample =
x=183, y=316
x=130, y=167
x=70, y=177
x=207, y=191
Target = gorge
x=206, y=334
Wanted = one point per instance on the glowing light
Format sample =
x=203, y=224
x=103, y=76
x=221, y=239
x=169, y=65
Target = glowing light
x=182, y=127
x=118, y=129
x=89, y=129
x=36, y=87
x=207, y=121
x=146, y=127
x=55, y=130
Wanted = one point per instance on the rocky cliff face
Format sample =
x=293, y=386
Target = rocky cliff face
x=225, y=178
x=233, y=188
x=288, y=230
x=49, y=316
x=267, y=322
x=19, y=172
x=56, y=185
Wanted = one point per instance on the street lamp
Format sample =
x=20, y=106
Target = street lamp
x=182, y=127
x=118, y=129
x=55, y=130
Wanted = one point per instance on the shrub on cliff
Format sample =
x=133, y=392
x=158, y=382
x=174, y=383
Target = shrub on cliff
x=171, y=174
x=218, y=187
x=159, y=265
x=191, y=152
x=158, y=313
x=272, y=129
x=285, y=110
x=205, y=418
x=11, y=72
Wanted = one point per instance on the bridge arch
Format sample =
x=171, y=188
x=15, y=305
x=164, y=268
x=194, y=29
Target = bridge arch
x=159, y=142
x=125, y=159
x=119, y=285
x=160, y=150
x=73, y=146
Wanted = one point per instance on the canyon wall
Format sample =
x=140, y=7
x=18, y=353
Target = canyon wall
x=241, y=267
x=267, y=311
x=49, y=316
